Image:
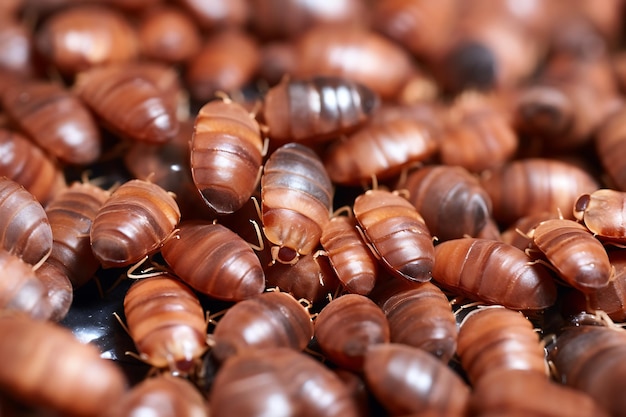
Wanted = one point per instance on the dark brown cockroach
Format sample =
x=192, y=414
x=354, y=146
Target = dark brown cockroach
x=493, y=272
x=603, y=213
x=133, y=223
x=268, y=320
x=409, y=380
x=41, y=352
x=16, y=47
x=55, y=119
x=399, y=143
x=226, y=155
x=440, y=193
x=128, y=103
x=517, y=233
x=166, y=321
x=24, y=227
x=82, y=37
x=225, y=63
x=352, y=261
x=610, y=144
x=612, y=298
x=347, y=326
x=533, y=185
x=71, y=214
x=215, y=261
x=168, y=34
x=493, y=338
x=58, y=288
x=342, y=50
x=27, y=164
x=578, y=257
x=279, y=382
x=396, y=233
x=296, y=197
x=220, y=14
x=316, y=109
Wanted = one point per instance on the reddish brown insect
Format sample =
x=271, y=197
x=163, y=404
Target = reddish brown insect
x=579, y=258
x=215, y=261
x=269, y=320
x=296, y=196
x=316, y=109
x=397, y=234
x=166, y=322
x=42, y=351
x=278, y=58
x=612, y=298
x=410, y=380
x=16, y=47
x=58, y=290
x=493, y=272
x=133, y=223
x=603, y=213
x=24, y=227
x=226, y=155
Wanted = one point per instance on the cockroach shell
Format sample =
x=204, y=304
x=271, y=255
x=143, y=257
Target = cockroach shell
x=612, y=298
x=268, y=320
x=24, y=227
x=517, y=233
x=215, y=261
x=579, y=258
x=43, y=351
x=59, y=290
x=215, y=15
x=409, y=380
x=603, y=213
x=226, y=155
x=397, y=233
x=347, y=326
x=493, y=272
x=133, y=223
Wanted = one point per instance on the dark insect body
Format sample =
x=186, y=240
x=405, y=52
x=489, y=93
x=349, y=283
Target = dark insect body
x=58, y=289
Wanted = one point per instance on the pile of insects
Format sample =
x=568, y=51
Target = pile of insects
x=349, y=208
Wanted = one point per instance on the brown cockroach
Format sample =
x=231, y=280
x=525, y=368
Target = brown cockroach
x=226, y=155
x=55, y=119
x=279, y=382
x=355, y=265
x=612, y=298
x=316, y=109
x=59, y=290
x=24, y=227
x=166, y=321
x=82, y=37
x=441, y=192
x=493, y=272
x=133, y=223
x=296, y=197
x=219, y=14
x=578, y=257
x=603, y=213
x=27, y=164
x=215, y=261
x=409, y=380
x=493, y=338
x=517, y=233
x=16, y=47
x=268, y=320
x=84, y=382
x=396, y=233
x=533, y=185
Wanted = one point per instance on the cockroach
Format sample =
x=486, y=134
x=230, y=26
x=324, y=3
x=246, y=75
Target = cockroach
x=16, y=47
x=441, y=192
x=215, y=261
x=58, y=288
x=84, y=382
x=493, y=338
x=603, y=213
x=409, y=380
x=82, y=37
x=316, y=109
x=268, y=320
x=278, y=382
x=612, y=298
x=55, y=119
x=27, y=164
x=399, y=143
x=397, y=234
x=133, y=223
x=71, y=214
x=24, y=227
x=341, y=50
x=127, y=103
x=517, y=234
x=578, y=257
x=347, y=326
x=296, y=197
x=220, y=14
x=533, y=185
x=352, y=261
x=493, y=272
x=166, y=322
x=226, y=155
